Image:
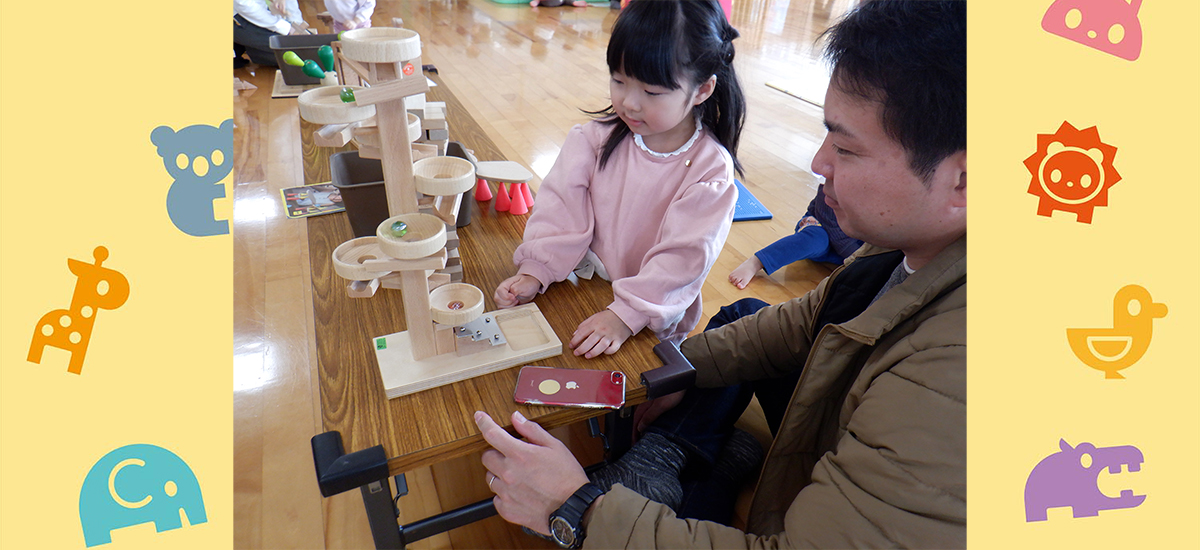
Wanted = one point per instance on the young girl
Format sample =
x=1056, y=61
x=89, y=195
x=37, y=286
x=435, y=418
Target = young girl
x=350, y=14
x=644, y=195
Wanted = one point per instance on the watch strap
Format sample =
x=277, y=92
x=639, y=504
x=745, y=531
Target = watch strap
x=576, y=506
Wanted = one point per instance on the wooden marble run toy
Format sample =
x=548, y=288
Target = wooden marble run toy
x=449, y=336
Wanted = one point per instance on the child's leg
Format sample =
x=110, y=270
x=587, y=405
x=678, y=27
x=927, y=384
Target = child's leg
x=810, y=243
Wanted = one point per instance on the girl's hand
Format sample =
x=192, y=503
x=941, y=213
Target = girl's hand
x=603, y=332
x=516, y=290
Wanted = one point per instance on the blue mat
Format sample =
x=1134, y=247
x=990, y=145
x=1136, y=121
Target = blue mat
x=748, y=207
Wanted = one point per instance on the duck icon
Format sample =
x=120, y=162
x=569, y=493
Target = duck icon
x=1119, y=347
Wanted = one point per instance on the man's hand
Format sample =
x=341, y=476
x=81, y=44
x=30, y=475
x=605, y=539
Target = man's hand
x=516, y=290
x=603, y=332
x=647, y=412
x=531, y=480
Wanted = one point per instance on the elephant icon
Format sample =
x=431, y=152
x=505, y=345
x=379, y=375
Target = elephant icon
x=137, y=484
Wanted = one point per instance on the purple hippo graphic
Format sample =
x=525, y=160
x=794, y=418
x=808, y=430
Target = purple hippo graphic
x=1068, y=478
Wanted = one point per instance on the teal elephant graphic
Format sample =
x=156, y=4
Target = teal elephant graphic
x=198, y=158
x=137, y=484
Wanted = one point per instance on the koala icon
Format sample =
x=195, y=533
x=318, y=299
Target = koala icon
x=572, y=386
x=198, y=158
x=138, y=484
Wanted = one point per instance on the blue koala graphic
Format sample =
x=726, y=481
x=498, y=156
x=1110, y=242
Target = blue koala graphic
x=198, y=157
x=138, y=484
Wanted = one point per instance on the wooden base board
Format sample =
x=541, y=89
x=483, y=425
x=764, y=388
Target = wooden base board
x=529, y=338
x=280, y=89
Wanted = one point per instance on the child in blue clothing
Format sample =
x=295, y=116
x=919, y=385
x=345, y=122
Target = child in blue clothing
x=817, y=238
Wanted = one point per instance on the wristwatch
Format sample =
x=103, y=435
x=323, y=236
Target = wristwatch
x=565, y=522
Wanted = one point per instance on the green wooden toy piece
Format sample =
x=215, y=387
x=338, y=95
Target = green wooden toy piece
x=325, y=56
x=311, y=69
x=292, y=59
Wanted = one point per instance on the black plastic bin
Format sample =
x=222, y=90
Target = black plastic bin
x=456, y=149
x=305, y=46
x=361, y=183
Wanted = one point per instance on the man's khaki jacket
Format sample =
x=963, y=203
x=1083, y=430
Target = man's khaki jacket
x=871, y=452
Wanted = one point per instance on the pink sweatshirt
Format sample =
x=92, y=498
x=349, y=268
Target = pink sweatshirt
x=657, y=224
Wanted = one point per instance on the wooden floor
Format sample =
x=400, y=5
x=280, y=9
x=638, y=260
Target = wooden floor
x=523, y=74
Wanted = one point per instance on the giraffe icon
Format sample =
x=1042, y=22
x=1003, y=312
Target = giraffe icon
x=71, y=329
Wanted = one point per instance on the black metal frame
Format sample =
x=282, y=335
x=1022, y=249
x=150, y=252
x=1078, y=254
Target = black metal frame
x=338, y=472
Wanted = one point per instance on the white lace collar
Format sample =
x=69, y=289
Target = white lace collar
x=637, y=138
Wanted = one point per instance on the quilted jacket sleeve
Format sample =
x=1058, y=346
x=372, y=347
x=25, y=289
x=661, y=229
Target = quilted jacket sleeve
x=895, y=479
x=768, y=344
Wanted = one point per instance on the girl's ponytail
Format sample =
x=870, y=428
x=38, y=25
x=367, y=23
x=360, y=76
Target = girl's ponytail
x=725, y=111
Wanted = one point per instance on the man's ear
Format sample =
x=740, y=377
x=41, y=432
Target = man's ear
x=705, y=90
x=959, y=194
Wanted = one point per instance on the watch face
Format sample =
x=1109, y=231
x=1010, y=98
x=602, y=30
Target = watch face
x=562, y=531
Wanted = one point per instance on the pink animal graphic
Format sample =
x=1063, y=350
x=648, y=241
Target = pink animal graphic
x=71, y=329
x=1111, y=26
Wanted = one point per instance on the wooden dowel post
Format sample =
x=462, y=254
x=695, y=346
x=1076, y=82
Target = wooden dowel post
x=397, y=157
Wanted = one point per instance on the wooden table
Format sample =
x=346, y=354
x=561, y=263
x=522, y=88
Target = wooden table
x=435, y=425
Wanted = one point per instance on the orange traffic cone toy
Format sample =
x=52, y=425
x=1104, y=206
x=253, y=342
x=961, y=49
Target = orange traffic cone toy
x=502, y=200
x=518, y=207
x=483, y=193
x=528, y=194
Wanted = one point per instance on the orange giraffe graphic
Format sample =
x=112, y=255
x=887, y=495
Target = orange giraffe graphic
x=71, y=329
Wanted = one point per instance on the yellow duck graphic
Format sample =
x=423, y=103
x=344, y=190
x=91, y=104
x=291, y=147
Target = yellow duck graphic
x=1119, y=347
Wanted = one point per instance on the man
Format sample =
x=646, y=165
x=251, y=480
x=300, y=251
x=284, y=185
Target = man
x=870, y=446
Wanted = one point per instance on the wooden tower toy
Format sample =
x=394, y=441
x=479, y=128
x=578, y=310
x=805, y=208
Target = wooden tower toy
x=449, y=337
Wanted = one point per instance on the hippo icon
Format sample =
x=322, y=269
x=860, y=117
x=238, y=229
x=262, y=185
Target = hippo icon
x=137, y=484
x=1068, y=478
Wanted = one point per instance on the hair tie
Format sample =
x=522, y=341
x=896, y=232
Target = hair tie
x=728, y=33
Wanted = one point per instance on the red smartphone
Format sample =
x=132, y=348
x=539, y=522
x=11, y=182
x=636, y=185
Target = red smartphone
x=595, y=389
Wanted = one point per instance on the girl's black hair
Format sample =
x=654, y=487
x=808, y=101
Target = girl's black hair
x=665, y=42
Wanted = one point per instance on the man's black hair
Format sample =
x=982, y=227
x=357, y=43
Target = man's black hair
x=912, y=57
